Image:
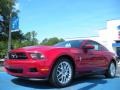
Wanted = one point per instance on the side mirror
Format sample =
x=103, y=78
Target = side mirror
x=88, y=46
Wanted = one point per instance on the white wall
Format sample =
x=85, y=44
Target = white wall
x=110, y=34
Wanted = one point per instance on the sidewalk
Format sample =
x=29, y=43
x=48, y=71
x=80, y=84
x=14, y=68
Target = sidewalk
x=1, y=68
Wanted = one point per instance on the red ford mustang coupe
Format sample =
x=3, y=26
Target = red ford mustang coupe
x=62, y=62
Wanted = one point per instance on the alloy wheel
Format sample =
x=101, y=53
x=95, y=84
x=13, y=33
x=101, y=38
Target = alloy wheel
x=64, y=72
x=112, y=69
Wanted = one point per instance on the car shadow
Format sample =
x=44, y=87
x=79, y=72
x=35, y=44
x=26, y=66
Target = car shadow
x=32, y=83
x=92, y=81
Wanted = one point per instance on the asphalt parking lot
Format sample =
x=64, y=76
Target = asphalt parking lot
x=99, y=82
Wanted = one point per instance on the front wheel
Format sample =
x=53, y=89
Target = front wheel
x=111, y=72
x=62, y=73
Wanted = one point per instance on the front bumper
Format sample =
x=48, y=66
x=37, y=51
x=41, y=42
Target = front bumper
x=27, y=68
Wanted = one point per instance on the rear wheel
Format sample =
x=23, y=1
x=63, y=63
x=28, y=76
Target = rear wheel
x=111, y=72
x=62, y=73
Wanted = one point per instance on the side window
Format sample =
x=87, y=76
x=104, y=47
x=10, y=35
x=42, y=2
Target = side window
x=103, y=48
x=67, y=45
x=75, y=44
x=95, y=44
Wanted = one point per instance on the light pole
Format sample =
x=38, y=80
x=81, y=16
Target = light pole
x=9, y=36
x=13, y=26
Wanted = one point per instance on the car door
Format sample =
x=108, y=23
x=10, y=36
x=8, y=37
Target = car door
x=92, y=60
x=97, y=59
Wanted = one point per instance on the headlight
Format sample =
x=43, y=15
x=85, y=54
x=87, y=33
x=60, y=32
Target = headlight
x=37, y=56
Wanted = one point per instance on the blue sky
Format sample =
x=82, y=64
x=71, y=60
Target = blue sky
x=66, y=18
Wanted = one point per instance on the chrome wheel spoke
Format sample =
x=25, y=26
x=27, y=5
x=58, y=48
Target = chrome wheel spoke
x=59, y=75
x=64, y=72
x=63, y=78
x=112, y=69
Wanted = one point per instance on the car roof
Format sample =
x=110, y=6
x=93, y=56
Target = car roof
x=81, y=40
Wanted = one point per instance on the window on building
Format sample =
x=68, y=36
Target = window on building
x=118, y=27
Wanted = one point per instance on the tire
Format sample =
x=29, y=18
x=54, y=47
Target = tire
x=62, y=73
x=22, y=78
x=111, y=72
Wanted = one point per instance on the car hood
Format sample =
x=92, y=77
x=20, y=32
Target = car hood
x=35, y=48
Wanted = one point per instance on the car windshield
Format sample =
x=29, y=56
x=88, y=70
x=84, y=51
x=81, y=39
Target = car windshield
x=70, y=44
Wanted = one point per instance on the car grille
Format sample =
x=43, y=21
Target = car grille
x=15, y=70
x=17, y=56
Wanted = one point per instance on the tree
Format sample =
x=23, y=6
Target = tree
x=6, y=7
x=3, y=49
x=30, y=39
x=51, y=41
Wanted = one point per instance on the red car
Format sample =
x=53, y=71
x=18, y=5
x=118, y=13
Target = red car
x=62, y=62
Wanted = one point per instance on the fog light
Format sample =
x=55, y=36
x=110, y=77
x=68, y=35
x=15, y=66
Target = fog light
x=33, y=70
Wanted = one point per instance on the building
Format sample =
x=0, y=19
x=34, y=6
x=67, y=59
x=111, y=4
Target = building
x=109, y=37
